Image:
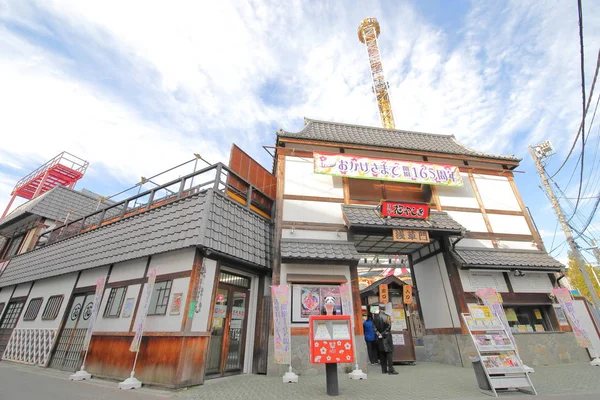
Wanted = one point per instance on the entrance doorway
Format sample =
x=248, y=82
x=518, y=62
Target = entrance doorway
x=228, y=334
x=8, y=323
x=69, y=349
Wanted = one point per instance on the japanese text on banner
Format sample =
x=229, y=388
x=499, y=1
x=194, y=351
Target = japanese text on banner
x=566, y=302
x=97, y=298
x=143, y=311
x=281, y=328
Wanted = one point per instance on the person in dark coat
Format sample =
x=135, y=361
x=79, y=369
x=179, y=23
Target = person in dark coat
x=370, y=339
x=383, y=326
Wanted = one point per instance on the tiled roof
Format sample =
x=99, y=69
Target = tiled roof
x=54, y=205
x=318, y=250
x=173, y=226
x=506, y=258
x=362, y=216
x=391, y=138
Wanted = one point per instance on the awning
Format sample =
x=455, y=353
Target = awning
x=328, y=250
x=368, y=217
x=321, y=279
x=472, y=258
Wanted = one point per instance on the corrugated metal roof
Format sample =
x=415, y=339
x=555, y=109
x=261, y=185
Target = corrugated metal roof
x=191, y=221
x=318, y=250
x=396, y=139
x=506, y=258
x=368, y=216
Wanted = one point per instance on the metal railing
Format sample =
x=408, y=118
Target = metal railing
x=217, y=177
x=64, y=158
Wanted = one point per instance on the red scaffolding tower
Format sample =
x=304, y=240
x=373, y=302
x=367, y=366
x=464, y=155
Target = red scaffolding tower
x=63, y=170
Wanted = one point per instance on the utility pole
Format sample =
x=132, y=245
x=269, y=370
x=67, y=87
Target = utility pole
x=538, y=153
x=597, y=255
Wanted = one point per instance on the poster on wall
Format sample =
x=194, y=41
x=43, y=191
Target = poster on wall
x=398, y=319
x=333, y=291
x=128, y=307
x=560, y=315
x=176, y=304
x=310, y=301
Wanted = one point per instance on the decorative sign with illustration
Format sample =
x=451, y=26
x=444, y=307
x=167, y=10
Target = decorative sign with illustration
x=410, y=236
x=404, y=210
x=407, y=294
x=398, y=319
x=176, y=304
x=310, y=300
x=330, y=340
x=383, y=293
x=128, y=307
x=381, y=169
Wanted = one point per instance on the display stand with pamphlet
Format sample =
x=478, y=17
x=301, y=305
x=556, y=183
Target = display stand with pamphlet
x=499, y=357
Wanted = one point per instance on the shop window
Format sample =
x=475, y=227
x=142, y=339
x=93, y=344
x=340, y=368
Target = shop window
x=309, y=300
x=115, y=302
x=160, y=298
x=529, y=318
x=52, y=307
x=371, y=190
x=33, y=309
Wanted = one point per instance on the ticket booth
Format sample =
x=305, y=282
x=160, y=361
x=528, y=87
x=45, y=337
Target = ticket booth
x=397, y=295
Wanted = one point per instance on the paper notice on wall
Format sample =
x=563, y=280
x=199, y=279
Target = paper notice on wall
x=398, y=339
x=281, y=323
x=398, y=319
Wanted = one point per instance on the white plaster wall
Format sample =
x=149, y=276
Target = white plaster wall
x=22, y=289
x=168, y=322
x=200, y=321
x=116, y=324
x=496, y=193
x=301, y=180
x=89, y=277
x=60, y=285
x=477, y=164
x=458, y=196
x=509, y=224
x=475, y=243
x=316, y=235
x=312, y=211
x=473, y=221
x=447, y=161
x=532, y=282
x=588, y=325
x=128, y=270
x=379, y=154
x=173, y=261
x=473, y=280
x=506, y=244
x=435, y=294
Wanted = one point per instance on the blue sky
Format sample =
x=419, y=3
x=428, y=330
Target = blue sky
x=137, y=87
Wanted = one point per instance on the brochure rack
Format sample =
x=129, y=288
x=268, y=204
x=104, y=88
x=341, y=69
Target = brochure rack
x=500, y=360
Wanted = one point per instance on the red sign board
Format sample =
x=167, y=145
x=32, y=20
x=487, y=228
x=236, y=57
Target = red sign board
x=331, y=339
x=404, y=210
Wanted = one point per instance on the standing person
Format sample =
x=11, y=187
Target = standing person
x=369, y=331
x=383, y=326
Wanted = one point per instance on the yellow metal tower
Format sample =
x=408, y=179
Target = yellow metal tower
x=368, y=31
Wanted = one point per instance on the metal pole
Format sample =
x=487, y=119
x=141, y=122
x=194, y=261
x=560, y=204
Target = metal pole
x=597, y=255
x=566, y=229
x=331, y=377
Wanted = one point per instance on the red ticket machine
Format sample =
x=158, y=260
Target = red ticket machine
x=331, y=340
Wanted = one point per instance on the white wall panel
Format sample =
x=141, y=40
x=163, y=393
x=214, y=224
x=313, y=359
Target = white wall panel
x=473, y=280
x=90, y=276
x=458, y=196
x=173, y=261
x=200, y=321
x=168, y=322
x=505, y=244
x=436, y=310
x=116, y=324
x=301, y=180
x=496, y=193
x=312, y=211
x=509, y=224
x=475, y=243
x=22, y=289
x=316, y=235
x=128, y=270
x=532, y=282
x=473, y=221
x=60, y=285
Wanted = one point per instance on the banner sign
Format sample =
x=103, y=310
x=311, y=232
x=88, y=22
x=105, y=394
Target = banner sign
x=407, y=294
x=564, y=299
x=410, y=236
x=346, y=297
x=404, y=210
x=383, y=293
x=140, y=319
x=281, y=323
x=97, y=299
x=381, y=169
